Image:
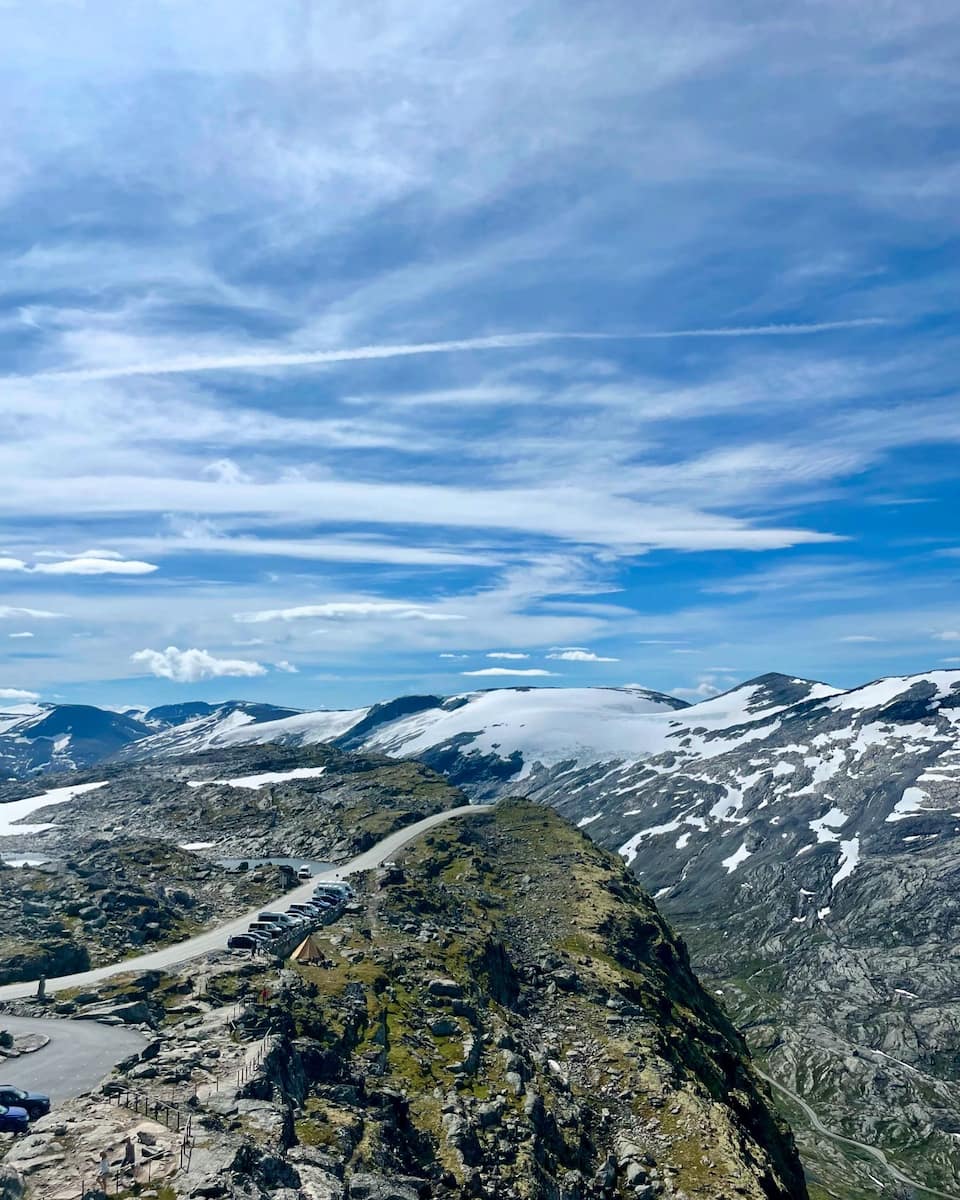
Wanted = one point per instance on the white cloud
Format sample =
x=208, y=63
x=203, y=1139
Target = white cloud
x=579, y=654
x=860, y=637
x=17, y=694
x=508, y=671
x=397, y=610
x=92, y=562
x=95, y=565
x=9, y=612
x=225, y=470
x=25, y=634
x=706, y=686
x=948, y=635
x=514, y=654
x=190, y=666
x=283, y=665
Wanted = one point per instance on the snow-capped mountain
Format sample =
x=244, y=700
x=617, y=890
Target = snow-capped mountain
x=37, y=738
x=486, y=741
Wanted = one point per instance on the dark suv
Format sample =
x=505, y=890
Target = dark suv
x=36, y=1103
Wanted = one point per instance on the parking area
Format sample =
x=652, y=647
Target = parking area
x=79, y=1055
x=279, y=930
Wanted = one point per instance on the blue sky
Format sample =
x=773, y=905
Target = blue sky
x=346, y=349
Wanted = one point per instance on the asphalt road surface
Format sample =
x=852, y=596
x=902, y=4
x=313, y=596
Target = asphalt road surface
x=79, y=1055
x=216, y=939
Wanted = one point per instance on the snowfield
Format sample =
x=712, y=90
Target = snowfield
x=544, y=725
x=254, y=782
x=19, y=810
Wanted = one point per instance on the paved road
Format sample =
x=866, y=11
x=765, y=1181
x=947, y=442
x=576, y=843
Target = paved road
x=79, y=1055
x=216, y=939
x=873, y=1151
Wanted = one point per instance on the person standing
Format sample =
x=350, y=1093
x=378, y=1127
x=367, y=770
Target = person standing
x=103, y=1170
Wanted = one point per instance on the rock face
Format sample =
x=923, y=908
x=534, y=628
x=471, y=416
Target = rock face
x=803, y=839
x=519, y=1022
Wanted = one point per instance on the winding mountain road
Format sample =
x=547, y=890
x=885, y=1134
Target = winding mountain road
x=874, y=1152
x=215, y=939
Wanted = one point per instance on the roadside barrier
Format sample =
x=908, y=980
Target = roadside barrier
x=161, y=1111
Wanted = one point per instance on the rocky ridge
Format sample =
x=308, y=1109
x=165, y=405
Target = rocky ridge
x=504, y=1014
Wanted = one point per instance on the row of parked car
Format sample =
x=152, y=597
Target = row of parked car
x=18, y=1108
x=272, y=926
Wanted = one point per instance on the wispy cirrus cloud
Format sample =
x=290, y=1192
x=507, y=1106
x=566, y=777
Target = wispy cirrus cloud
x=349, y=609
x=9, y=612
x=272, y=360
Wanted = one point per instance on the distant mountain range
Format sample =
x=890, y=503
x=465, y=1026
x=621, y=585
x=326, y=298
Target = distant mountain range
x=40, y=738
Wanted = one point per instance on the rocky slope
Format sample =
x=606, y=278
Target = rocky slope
x=504, y=1014
x=319, y=803
x=110, y=897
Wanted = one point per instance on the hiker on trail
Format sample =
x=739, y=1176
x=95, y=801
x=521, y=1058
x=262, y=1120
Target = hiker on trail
x=129, y=1153
x=42, y=988
x=103, y=1170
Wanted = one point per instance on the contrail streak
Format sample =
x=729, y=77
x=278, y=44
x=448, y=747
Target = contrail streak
x=267, y=360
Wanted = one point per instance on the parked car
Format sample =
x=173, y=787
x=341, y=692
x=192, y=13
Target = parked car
x=330, y=893
x=305, y=872
x=266, y=928
x=327, y=889
x=246, y=941
x=13, y=1119
x=326, y=902
x=341, y=889
x=310, y=911
x=284, y=920
x=36, y=1103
